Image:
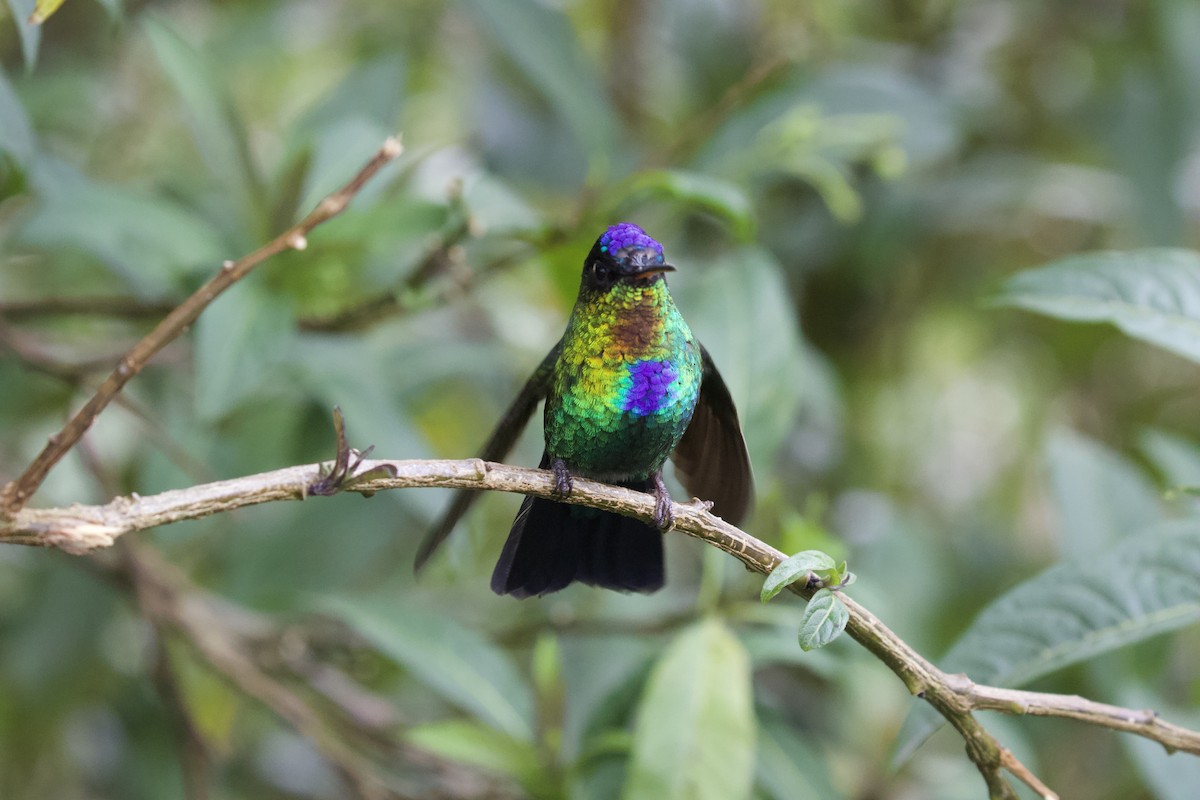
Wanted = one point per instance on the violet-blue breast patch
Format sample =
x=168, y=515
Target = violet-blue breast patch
x=650, y=387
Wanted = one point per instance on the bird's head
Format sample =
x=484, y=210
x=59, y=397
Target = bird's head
x=623, y=255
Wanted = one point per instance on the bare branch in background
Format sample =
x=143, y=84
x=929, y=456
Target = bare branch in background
x=167, y=606
x=442, y=257
x=104, y=306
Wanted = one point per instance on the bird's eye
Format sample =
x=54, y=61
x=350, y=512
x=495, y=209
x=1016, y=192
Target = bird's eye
x=600, y=272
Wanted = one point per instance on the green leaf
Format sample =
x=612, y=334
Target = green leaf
x=554, y=65
x=365, y=376
x=31, y=35
x=795, y=568
x=497, y=207
x=790, y=765
x=455, y=661
x=603, y=679
x=546, y=667
x=1171, y=776
x=771, y=639
x=367, y=98
x=824, y=620
x=1152, y=295
x=1147, y=584
x=16, y=132
x=219, y=135
x=1176, y=458
x=372, y=89
x=1101, y=496
x=717, y=196
x=695, y=730
x=340, y=151
x=113, y=7
x=148, y=240
x=481, y=746
x=243, y=341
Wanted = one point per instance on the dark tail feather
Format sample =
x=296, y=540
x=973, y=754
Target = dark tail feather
x=550, y=547
x=541, y=554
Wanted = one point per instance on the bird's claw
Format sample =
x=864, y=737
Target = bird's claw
x=562, y=478
x=663, y=516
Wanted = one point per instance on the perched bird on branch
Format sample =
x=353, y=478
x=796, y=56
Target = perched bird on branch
x=626, y=387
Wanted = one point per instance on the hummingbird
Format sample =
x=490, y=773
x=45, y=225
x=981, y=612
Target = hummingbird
x=626, y=387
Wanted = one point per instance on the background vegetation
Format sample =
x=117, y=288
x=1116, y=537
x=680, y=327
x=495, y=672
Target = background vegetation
x=843, y=186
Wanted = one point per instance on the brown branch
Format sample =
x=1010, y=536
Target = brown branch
x=34, y=356
x=82, y=528
x=367, y=712
x=16, y=493
x=700, y=129
x=104, y=306
x=1010, y=763
x=194, y=752
x=1144, y=722
x=166, y=605
x=73, y=375
x=249, y=650
x=195, y=755
x=414, y=293
x=445, y=255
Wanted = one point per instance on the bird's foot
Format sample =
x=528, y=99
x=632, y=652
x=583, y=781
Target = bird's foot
x=562, y=478
x=663, y=517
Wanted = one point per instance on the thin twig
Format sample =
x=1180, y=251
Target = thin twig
x=1010, y=763
x=195, y=755
x=736, y=96
x=1143, y=722
x=83, y=528
x=414, y=293
x=73, y=375
x=16, y=493
x=248, y=649
x=166, y=605
x=443, y=255
x=108, y=306
x=194, y=752
x=33, y=355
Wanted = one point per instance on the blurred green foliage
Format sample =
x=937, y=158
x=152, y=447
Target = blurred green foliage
x=855, y=195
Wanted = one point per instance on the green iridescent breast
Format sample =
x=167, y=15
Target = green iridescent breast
x=626, y=383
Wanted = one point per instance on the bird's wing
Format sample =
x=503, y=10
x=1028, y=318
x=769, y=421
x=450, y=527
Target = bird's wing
x=711, y=458
x=497, y=447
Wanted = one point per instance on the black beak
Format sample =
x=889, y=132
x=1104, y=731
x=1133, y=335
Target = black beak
x=651, y=269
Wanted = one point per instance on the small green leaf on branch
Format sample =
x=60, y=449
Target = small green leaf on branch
x=798, y=567
x=824, y=620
